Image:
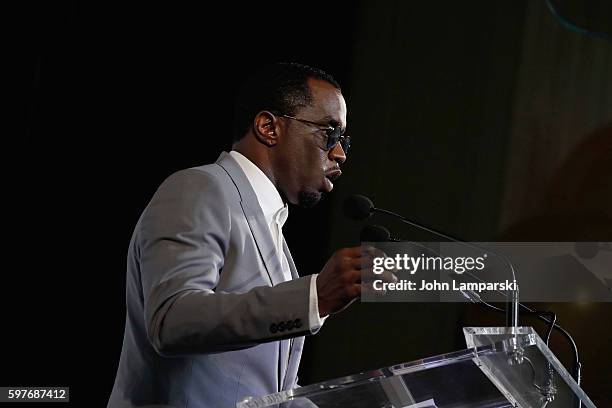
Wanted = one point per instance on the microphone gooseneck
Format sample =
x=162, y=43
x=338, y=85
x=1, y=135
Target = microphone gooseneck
x=359, y=207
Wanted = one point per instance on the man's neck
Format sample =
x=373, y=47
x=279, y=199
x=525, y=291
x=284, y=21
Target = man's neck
x=258, y=158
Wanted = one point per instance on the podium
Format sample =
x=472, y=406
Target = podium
x=501, y=367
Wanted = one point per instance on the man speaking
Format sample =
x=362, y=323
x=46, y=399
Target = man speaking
x=216, y=310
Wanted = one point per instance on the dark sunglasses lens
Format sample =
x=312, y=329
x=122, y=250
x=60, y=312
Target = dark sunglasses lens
x=333, y=135
x=345, y=142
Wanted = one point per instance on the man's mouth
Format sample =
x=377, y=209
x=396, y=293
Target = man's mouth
x=330, y=177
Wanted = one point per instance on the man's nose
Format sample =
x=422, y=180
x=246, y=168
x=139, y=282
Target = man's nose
x=337, y=154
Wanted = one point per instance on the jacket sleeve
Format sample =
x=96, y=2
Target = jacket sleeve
x=183, y=238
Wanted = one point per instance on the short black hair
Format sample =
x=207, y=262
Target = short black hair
x=280, y=88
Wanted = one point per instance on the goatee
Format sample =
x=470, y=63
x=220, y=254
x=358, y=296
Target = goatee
x=308, y=199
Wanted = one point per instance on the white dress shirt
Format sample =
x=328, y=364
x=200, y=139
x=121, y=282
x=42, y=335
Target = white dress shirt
x=276, y=213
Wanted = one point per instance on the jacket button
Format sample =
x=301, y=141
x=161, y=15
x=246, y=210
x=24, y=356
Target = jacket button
x=297, y=323
x=273, y=328
x=281, y=326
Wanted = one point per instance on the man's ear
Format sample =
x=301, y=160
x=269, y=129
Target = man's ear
x=265, y=127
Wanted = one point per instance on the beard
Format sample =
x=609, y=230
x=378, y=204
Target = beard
x=308, y=199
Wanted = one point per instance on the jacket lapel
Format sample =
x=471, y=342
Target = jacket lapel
x=255, y=218
x=295, y=344
x=294, y=363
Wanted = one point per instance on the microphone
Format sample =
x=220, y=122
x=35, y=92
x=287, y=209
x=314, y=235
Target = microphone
x=359, y=207
x=376, y=233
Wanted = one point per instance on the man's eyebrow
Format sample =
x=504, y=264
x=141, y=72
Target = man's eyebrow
x=332, y=122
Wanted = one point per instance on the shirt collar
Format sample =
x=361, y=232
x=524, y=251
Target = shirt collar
x=268, y=197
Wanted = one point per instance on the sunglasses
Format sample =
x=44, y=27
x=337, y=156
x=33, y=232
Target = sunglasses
x=334, y=134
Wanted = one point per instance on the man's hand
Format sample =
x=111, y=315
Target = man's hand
x=340, y=281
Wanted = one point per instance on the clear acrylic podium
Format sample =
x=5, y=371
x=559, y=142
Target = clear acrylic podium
x=501, y=367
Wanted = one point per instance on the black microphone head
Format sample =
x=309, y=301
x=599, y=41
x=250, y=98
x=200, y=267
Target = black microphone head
x=374, y=233
x=358, y=207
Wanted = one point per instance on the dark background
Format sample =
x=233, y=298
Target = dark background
x=117, y=96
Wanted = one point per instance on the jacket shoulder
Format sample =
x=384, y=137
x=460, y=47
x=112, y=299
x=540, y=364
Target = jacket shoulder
x=209, y=178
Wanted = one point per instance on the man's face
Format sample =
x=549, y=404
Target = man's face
x=304, y=168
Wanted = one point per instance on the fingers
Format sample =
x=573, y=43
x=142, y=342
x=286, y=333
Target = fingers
x=376, y=284
x=368, y=276
x=354, y=293
x=366, y=251
x=358, y=264
x=358, y=282
x=349, y=273
x=364, y=263
x=372, y=252
x=388, y=276
x=354, y=252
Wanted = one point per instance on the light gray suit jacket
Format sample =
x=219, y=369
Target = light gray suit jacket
x=209, y=319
